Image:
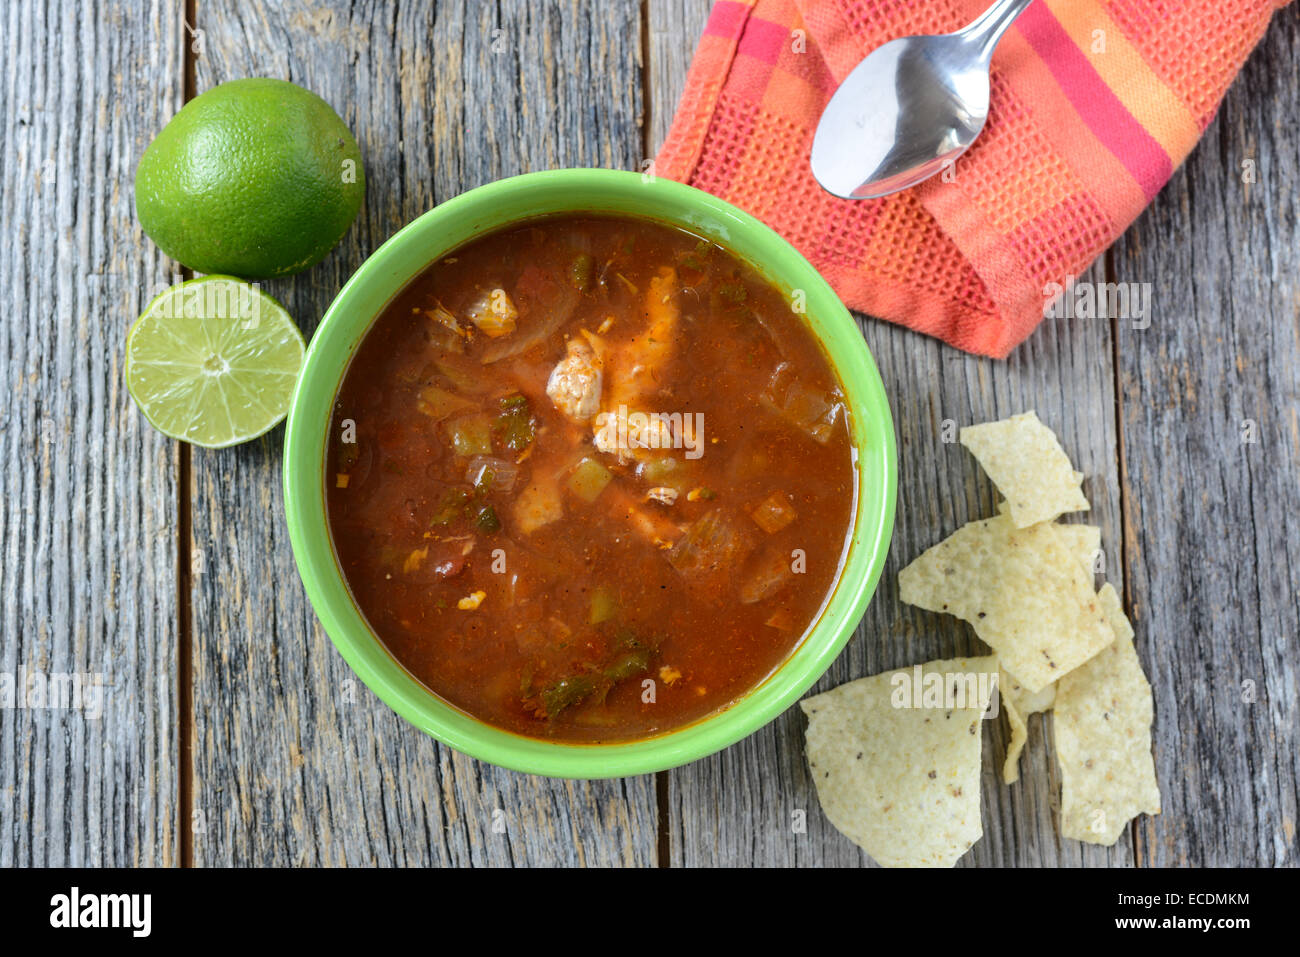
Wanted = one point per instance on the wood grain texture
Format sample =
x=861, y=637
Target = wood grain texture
x=87, y=533
x=740, y=807
x=674, y=28
x=295, y=762
x=1212, y=476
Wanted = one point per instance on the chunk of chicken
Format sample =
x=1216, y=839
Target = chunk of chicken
x=630, y=435
x=574, y=385
x=636, y=370
x=641, y=361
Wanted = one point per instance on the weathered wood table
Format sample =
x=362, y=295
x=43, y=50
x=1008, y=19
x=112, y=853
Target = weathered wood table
x=233, y=733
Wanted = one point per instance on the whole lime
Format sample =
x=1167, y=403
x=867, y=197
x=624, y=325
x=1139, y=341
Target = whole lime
x=256, y=178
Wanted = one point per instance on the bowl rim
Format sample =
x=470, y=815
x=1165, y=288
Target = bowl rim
x=476, y=213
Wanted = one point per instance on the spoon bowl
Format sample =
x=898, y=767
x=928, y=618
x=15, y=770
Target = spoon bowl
x=909, y=109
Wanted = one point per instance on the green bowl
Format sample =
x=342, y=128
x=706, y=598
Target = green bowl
x=455, y=223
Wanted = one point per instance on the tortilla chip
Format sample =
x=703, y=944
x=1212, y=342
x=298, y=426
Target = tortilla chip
x=1027, y=464
x=902, y=782
x=1019, y=705
x=1102, y=720
x=1021, y=589
x=1083, y=541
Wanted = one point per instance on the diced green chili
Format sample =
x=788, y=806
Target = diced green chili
x=487, y=520
x=451, y=507
x=514, y=427
x=629, y=664
x=632, y=657
x=572, y=690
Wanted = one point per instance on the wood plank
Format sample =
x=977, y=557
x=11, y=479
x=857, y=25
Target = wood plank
x=87, y=524
x=737, y=808
x=674, y=27
x=1212, y=541
x=295, y=762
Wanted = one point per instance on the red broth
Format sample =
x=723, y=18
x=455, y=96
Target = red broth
x=590, y=479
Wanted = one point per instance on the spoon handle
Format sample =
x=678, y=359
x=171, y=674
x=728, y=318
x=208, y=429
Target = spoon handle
x=988, y=27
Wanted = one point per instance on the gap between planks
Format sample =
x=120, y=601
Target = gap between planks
x=184, y=558
x=1108, y=265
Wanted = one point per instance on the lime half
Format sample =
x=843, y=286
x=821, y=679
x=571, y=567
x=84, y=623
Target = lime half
x=213, y=361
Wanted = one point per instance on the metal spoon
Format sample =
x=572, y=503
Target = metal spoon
x=909, y=109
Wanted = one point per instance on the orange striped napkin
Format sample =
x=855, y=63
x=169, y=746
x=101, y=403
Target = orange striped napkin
x=1093, y=105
